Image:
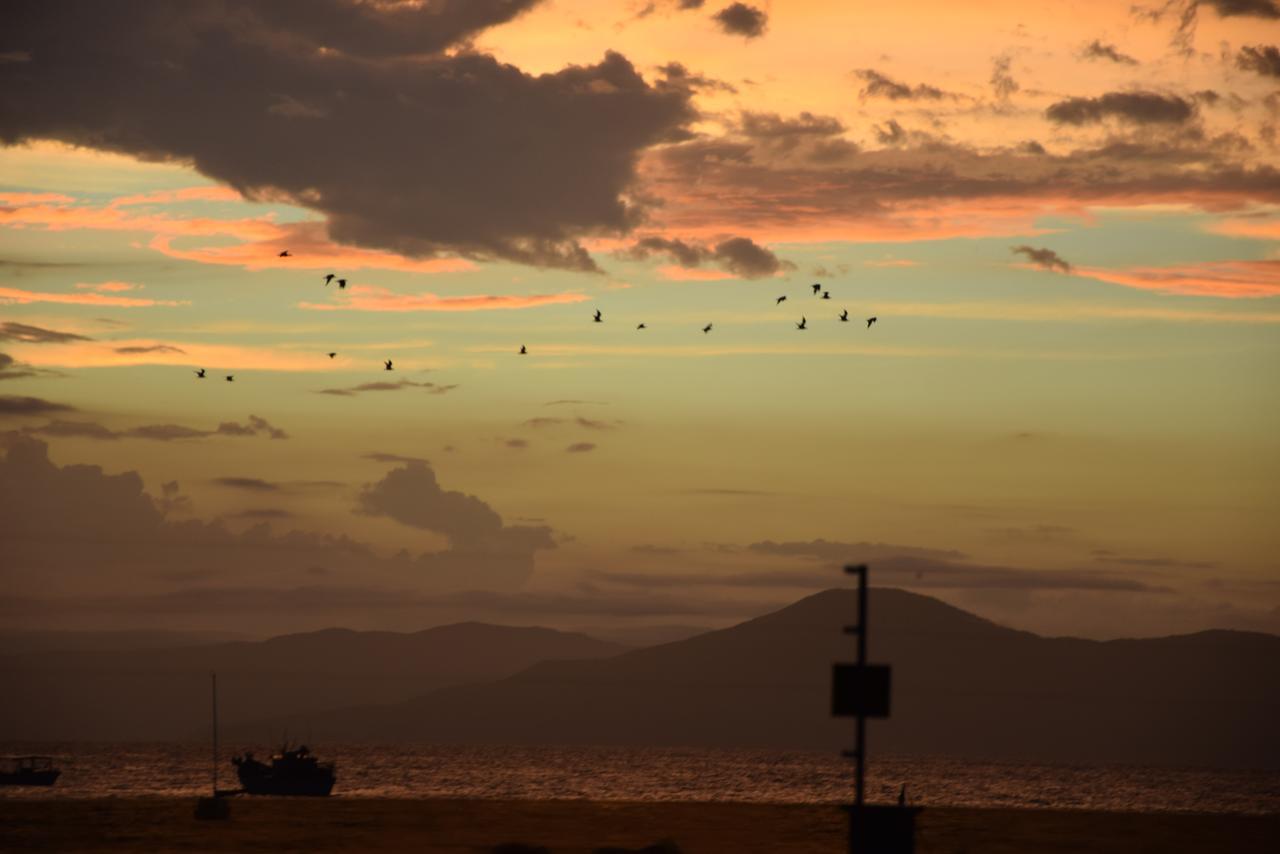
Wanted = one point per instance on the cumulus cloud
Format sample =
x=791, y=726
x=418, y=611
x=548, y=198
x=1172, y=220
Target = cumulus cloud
x=739, y=19
x=1263, y=59
x=1136, y=107
x=1097, y=50
x=740, y=256
x=274, y=100
x=1046, y=259
x=882, y=86
x=78, y=528
x=411, y=495
x=10, y=331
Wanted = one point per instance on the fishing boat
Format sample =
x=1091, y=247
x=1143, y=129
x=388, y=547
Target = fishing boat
x=293, y=771
x=27, y=771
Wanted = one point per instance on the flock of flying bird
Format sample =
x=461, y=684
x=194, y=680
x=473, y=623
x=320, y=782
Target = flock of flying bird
x=598, y=317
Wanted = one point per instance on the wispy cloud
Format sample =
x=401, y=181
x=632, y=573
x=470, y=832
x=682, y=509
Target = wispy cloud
x=368, y=298
x=19, y=296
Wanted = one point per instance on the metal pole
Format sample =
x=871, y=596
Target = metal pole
x=860, y=766
x=214, y=677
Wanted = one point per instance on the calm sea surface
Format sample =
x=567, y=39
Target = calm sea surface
x=632, y=774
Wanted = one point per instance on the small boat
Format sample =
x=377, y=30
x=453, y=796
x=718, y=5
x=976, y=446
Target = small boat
x=291, y=772
x=27, y=771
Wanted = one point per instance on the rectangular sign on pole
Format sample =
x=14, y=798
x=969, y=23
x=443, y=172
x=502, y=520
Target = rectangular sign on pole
x=860, y=691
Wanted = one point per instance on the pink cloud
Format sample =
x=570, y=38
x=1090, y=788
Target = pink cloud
x=676, y=273
x=261, y=238
x=150, y=351
x=108, y=287
x=368, y=298
x=1230, y=279
x=20, y=297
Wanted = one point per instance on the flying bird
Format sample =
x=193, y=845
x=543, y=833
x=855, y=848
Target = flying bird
x=801, y=324
x=598, y=316
x=706, y=328
x=780, y=300
x=284, y=253
x=826, y=294
x=388, y=364
x=327, y=279
x=816, y=287
x=230, y=378
x=200, y=374
x=342, y=283
x=523, y=351
x=331, y=355
x=844, y=315
x=642, y=326
x=871, y=320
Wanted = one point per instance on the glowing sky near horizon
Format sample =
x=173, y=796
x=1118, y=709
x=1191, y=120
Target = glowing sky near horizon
x=1088, y=444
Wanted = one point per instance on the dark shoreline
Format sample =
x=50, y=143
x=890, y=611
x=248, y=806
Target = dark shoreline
x=369, y=824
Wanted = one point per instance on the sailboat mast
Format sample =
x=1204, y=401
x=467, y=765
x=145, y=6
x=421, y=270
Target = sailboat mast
x=214, y=677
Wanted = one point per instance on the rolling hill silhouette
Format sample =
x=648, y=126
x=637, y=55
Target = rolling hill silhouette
x=158, y=694
x=962, y=686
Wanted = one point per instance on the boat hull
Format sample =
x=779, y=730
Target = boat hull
x=30, y=778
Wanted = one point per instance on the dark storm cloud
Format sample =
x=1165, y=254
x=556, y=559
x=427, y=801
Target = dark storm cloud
x=1097, y=50
x=1045, y=259
x=351, y=391
x=739, y=19
x=249, y=484
x=10, y=331
x=1137, y=107
x=741, y=256
x=1264, y=59
x=352, y=109
x=153, y=348
x=881, y=86
x=11, y=404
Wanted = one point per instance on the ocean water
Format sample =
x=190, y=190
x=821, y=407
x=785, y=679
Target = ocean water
x=658, y=774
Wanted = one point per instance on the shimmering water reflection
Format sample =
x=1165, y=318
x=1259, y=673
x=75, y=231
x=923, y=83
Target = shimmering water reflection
x=642, y=774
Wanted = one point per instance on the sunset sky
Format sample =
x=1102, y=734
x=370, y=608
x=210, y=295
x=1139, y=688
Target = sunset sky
x=1065, y=216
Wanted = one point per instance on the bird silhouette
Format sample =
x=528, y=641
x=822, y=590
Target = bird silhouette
x=200, y=374
x=826, y=294
x=342, y=283
x=327, y=279
x=284, y=253
x=331, y=355
x=802, y=323
x=871, y=320
x=598, y=316
x=780, y=300
x=230, y=378
x=844, y=315
x=706, y=328
x=816, y=287
x=642, y=326
x=523, y=351
x=387, y=363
